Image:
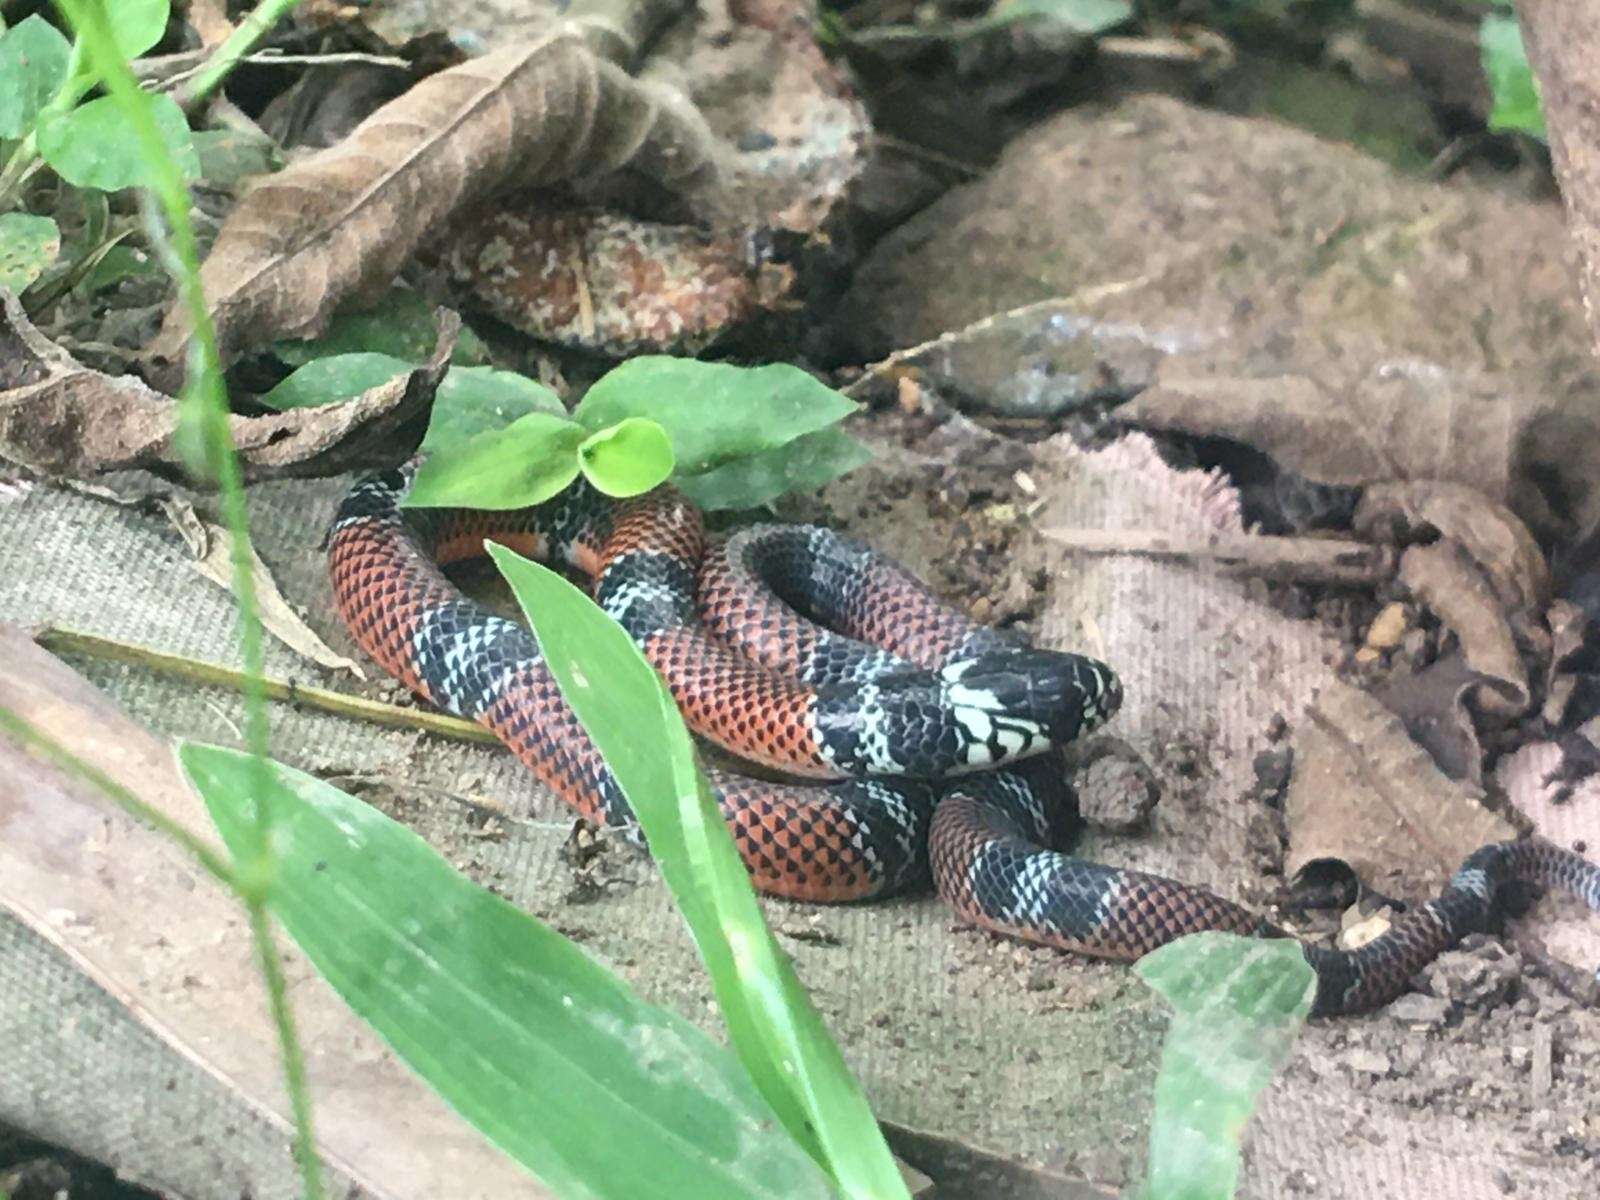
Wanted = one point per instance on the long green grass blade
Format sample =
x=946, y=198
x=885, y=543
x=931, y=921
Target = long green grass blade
x=777, y=1033
x=550, y=1055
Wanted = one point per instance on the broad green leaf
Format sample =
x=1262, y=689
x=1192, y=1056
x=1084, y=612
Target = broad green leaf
x=525, y=463
x=1238, y=1005
x=549, y=1054
x=629, y=458
x=137, y=25
x=401, y=324
x=805, y=464
x=713, y=412
x=28, y=245
x=331, y=379
x=33, y=66
x=634, y=723
x=1511, y=84
x=474, y=400
x=94, y=145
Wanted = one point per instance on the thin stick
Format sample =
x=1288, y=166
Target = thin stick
x=194, y=670
x=1287, y=559
x=239, y=43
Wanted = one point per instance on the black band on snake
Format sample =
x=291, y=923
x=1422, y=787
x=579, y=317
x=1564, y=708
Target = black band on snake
x=803, y=650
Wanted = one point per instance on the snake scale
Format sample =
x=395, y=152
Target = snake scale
x=925, y=740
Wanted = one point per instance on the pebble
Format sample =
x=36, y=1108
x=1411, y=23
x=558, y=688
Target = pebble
x=1420, y=1010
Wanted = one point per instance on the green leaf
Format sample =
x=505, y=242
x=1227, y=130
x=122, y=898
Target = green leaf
x=550, y=1055
x=95, y=145
x=635, y=725
x=805, y=464
x=401, y=324
x=713, y=412
x=327, y=380
x=33, y=66
x=627, y=459
x=1505, y=62
x=119, y=263
x=28, y=245
x=227, y=157
x=474, y=400
x=525, y=463
x=1238, y=1005
x=138, y=25
x=1080, y=16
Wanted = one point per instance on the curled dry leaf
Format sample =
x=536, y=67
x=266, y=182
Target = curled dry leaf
x=1386, y=421
x=1433, y=704
x=340, y=224
x=1490, y=532
x=213, y=550
x=60, y=418
x=1365, y=794
x=596, y=281
x=1444, y=577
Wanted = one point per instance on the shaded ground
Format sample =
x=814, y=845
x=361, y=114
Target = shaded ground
x=1190, y=244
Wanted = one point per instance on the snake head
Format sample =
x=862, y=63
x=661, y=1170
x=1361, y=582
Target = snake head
x=1017, y=701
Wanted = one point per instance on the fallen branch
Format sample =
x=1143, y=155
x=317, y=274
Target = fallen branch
x=1281, y=559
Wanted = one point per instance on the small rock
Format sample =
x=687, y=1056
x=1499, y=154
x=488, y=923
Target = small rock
x=1388, y=627
x=1478, y=977
x=1040, y=979
x=1423, y=1011
x=1366, y=1061
x=1300, y=1181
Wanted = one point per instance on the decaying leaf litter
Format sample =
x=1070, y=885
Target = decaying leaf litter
x=1456, y=463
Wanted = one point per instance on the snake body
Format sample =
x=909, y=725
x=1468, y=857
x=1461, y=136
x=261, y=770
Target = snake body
x=927, y=739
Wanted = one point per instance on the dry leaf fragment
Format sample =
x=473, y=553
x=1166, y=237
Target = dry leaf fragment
x=1491, y=533
x=214, y=560
x=1365, y=794
x=60, y=418
x=339, y=225
x=1444, y=577
x=642, y=287
x=1389, y=421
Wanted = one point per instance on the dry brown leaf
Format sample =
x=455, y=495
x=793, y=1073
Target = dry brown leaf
x=1444, y=577
x=213, y=546
x=340, y=224
x=209, y=19
x=1392, y=421
x=1491, y=533
x=1432, y=703
x=60, y=418
x=1365, y=794
x=134, y=913
x=605, y=283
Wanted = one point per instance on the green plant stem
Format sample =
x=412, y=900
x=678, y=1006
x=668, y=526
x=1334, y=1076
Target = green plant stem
x=204, y=411
x=58, y=755
x=239, y=43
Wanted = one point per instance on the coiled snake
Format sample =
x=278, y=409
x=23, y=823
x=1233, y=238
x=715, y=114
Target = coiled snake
x=803, y=650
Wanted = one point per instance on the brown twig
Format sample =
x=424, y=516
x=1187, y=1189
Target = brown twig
x=193, y=670
x=1285, y=559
